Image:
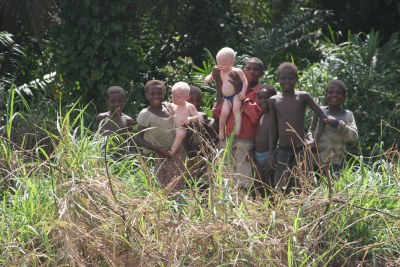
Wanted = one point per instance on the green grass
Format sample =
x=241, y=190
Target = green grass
x=74, y=206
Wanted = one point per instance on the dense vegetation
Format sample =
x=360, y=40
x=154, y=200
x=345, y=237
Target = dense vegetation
x=64, y=202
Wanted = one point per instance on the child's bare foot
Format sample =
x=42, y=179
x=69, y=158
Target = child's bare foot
x=221, y=136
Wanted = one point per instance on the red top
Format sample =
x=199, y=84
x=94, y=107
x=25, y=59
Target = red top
x=251, y=114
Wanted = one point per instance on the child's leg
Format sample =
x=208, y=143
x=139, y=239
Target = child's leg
x=225, y=110
x=237, y=105
x=180, y=134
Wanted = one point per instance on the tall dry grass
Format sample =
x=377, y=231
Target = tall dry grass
x=86, y=204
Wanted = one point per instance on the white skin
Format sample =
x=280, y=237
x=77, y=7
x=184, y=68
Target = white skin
x=225, y=65
x=184, y=113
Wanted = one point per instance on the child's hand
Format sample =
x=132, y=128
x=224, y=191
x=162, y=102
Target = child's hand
x=311, y=144
x=235, y=80
x=330, y=119
x=216, y=73
x=209, y=78
x=241, y=96
x=170, y=154
x=164, y=152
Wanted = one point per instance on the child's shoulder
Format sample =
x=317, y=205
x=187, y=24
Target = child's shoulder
x=102, y=116
x=348, y=112
x=302, y=93
x=127, y=117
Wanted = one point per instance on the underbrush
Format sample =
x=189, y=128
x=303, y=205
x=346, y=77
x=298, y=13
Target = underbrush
x=85, y=204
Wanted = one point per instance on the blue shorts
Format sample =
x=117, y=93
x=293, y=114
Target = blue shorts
x=261, y=157
x=230, y=98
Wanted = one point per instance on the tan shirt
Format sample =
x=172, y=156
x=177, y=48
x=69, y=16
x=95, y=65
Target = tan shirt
x=159, y=131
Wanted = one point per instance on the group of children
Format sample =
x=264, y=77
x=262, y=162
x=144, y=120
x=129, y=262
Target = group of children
x=265, y=128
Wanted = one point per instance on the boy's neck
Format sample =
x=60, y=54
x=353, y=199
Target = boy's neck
x=336, y=109
x=182, y=105
x=252, y=84
x=288, y=93
x=151, y=108
x=115, y=115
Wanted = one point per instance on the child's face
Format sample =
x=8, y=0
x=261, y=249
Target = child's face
x=155, y=95
x=225, y=63
x=287, y=78
x=179, y=97
x=263, y=97
x=196, y=99
x=253, y=72
x=116, y=103
x=335, y=95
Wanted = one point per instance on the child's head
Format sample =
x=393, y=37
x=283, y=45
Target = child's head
x=180, y=93
x=287, y=76
x=253, y=69
x=225, y=59
x=115, y=99
x=154, y=92
x=195, y=97
x=335, y=93
x=263, y=94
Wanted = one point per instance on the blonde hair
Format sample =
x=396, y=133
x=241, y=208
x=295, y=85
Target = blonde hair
x=227, y=52
x=181, y=86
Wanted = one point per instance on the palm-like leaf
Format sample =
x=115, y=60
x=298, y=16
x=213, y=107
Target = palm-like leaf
x=11, y=55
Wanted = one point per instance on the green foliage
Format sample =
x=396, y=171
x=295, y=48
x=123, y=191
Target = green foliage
x=97, y=49
x=11, y=56
x=80, y=206
x=291, y=35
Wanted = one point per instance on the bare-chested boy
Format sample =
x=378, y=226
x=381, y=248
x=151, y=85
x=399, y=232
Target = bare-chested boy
x=261, y=148
x=225, y=63
x=114, y=121
x=287, y=126
x=184, y=113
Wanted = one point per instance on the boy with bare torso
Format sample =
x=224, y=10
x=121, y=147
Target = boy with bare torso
x=184, y=113
x=261, y=147
x=114, y=121
x=225, y=63
x=287, y=126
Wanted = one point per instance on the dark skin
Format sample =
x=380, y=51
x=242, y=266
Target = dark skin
x=191, y=147
x=261, y=142
x=291, y=106
x=114, y=120
x=155, y=95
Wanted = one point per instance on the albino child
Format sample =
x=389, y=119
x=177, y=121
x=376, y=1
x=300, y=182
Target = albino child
x=184, y=113
x=225, y=61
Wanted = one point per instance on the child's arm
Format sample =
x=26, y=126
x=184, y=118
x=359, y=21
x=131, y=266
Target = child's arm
x=209, y=78
x=139, y=139
x=273, y=133
x=99, y=118
x=194, y=116
x=311, y=131
x=318, y=110
x=347, y=127
x=242, y=94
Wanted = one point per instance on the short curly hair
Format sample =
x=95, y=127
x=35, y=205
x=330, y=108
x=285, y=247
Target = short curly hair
x=155, y=83
x=339, y=84
x=287, y=65
x=115, y=90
